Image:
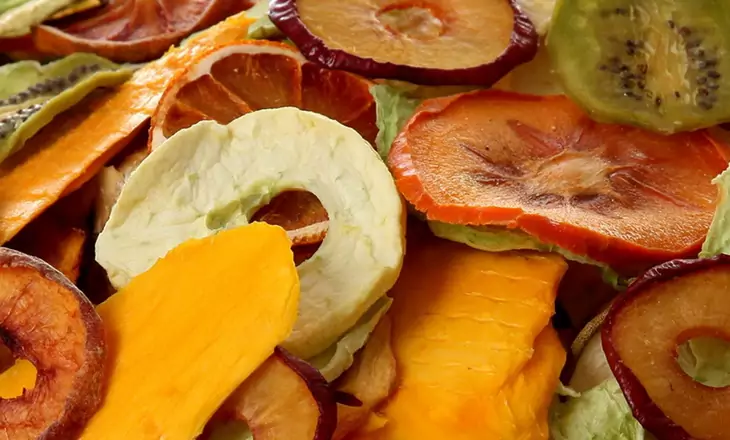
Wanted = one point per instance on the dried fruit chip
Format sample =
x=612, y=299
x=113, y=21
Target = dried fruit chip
x=618, y=195
x=134, y=30
x=425, y=42
x=212, y=177
x=669, y=305
x=76, y=145
x=31, y=95
x=17, y=17
x=48, y=321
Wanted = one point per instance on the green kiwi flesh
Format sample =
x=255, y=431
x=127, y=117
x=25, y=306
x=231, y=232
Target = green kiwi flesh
x=660, y=64
x=31, y=95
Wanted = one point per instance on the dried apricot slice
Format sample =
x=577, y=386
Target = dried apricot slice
x=235, y=79
x=49, y=322
x=618, y=195
x=134, y=30
x=426, y=41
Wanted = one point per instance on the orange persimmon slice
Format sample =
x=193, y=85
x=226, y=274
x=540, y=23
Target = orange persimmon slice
x=232, y=80
x=619, y=195
x=134, y=30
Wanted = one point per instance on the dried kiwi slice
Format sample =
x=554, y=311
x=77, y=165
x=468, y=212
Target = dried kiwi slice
x=660, y=64
x=20, y=16
x=31, y=95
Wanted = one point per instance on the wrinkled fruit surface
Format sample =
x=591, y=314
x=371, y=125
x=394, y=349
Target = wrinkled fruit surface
x=134, y=30
x=286, y=398
x=49, y=322
x=428, y=42
x=669, y=305
x=618, y=195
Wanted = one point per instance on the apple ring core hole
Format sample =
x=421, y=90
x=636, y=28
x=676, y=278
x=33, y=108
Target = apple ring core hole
x=16, y=374
x=706, y=359
x=417, y=22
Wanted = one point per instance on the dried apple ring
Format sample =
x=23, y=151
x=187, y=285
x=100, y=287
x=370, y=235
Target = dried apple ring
x=51, y=323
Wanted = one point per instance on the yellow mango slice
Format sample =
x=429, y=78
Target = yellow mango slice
x=476, y=356
x=183, y=335
x=21, y=375
x=71, y=149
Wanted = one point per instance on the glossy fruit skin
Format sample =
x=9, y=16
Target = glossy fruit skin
x=84, y=393
x=522, y=48
x=643, y=408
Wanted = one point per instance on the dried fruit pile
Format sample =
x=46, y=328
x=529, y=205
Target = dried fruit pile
x=360, y=220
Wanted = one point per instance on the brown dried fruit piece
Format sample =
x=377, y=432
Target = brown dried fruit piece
x=52, y=324
x=667, y=306
x=134, y=30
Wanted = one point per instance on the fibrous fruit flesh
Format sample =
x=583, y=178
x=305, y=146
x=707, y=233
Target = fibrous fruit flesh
x=134, y=30
x=212, y=177
x=659, y=64
x=621, y=196
x=427, y=42
x=669, y=305
x=49, y=322
x=285, y=398
x=166, y=381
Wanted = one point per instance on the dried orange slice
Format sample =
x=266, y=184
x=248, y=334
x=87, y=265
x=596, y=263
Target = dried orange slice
x=134, y=30
x=238, y=78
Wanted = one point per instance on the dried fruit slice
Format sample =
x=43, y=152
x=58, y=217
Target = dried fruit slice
x=76, y=145
x=476, y=355
x=49, y=322
x=659, y=65
x=134, y=30
x=669, y=305
x=17, y=17
x=618, y=195
x=426, y=42
x=285, y=398
x=225, y=287
x=31, y=95
x=212, y=177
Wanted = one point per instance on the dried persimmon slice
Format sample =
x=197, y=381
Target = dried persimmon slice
x=134, y=30
x=48, y=321
x=232, y=80
x=619, y=195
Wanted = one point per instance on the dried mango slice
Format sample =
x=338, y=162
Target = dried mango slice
x=212, y=177
x=135, y=30
x=31, y=95
x=74, y=147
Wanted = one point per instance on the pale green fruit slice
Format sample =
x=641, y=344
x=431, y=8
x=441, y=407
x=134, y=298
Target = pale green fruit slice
x=31, y=94
x=21, y=16
x=212, y=177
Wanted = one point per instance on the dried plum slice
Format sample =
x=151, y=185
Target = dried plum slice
x=31, y=95
x=49, y=322
x=656, y=64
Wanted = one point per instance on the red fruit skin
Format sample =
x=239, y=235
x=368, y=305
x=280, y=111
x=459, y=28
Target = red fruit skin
x=522, y=48
x=643, y=408
x=321, y=391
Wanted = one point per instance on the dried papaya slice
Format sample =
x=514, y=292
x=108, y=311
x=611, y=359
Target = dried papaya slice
x=618, y=195
x=70, y=150
x=49, y=322
x=235, y=79
x=31, y=95
x=134, y=30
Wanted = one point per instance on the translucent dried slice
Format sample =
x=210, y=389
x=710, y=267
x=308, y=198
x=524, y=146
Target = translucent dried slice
x=426, y=42
x=135, y=30
x=31, y=95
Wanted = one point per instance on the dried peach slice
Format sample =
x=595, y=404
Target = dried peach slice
x=618, y=195
x=49, y=322
x=235, y=79
x=669, y=305
x=134, y=30
x=425, y=41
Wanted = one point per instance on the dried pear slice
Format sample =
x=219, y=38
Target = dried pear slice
x=19, y=19
x=211, y=177
x=31, y=95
